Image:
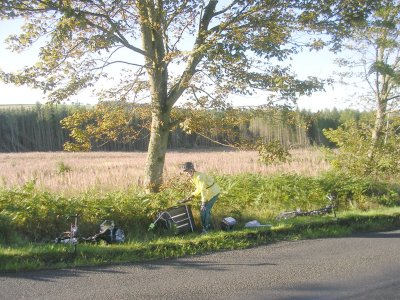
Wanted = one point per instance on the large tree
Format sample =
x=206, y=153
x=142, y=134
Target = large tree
x=376, y=65
x=200, y=50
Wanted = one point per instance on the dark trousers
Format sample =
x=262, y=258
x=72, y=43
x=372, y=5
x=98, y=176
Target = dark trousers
x=206, y=213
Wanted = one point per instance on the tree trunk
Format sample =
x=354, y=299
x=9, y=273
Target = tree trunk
x=378, y=128
x=152, y=19
x=157, y=149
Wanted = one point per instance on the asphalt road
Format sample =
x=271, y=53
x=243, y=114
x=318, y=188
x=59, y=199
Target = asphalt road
x=359, y=267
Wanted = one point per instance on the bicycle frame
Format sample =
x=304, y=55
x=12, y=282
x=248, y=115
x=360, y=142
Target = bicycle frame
x=74, y=232
x=298, y=213
x=71, y=236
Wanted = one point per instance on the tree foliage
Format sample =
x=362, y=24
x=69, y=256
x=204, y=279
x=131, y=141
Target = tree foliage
x=109, y=121
x=377, y=45
x=272, y=152
x=354, y=140
x=163, y=51
x=34, y=128
x=232, y=127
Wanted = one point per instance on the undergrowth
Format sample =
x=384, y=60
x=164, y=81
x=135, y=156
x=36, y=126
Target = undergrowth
x=31, y=219
x=29, y=215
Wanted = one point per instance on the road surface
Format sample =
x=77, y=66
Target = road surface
x=366, y=266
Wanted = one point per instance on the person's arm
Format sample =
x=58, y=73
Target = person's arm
x=198, y=183
x=187, y=199
x=197, y=191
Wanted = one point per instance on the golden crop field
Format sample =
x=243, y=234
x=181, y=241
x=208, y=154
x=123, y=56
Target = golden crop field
x=70, y=173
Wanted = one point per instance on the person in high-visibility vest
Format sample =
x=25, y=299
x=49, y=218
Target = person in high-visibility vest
x=207, y=188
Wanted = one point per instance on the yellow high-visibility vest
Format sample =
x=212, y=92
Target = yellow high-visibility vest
x=205, y=186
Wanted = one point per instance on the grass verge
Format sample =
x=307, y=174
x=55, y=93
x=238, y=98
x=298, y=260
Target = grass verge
x=42, y=256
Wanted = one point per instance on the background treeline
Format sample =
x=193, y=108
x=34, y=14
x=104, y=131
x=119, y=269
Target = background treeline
x=37, y=128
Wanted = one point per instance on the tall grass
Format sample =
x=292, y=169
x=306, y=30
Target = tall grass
x=27, y=214
x=74, y=173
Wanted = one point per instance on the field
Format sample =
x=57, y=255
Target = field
x=73, y=173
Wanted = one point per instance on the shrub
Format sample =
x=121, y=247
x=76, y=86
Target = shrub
x=63, y=168
x=354, y=154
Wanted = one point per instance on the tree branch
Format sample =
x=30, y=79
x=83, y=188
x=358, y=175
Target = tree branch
x=216, y=142
x=196, y=55
x=226, y=8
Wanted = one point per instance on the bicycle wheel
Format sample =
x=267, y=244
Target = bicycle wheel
x=286, y=215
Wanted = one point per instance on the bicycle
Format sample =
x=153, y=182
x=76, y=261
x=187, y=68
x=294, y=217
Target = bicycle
x=71, y=236
x=109, y=233
x=317, y=212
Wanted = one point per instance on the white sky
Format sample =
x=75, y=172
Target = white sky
x=319, y=64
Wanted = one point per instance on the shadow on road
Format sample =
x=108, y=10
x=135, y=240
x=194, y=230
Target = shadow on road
x=381, y=235
x=200, y=265
x=52, y=275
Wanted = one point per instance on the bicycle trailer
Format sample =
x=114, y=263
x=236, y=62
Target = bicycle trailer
x=177, y=219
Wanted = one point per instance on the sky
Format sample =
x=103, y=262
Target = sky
x=320, y=64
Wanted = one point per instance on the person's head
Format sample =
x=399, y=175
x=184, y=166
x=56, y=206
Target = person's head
x=188, y=168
